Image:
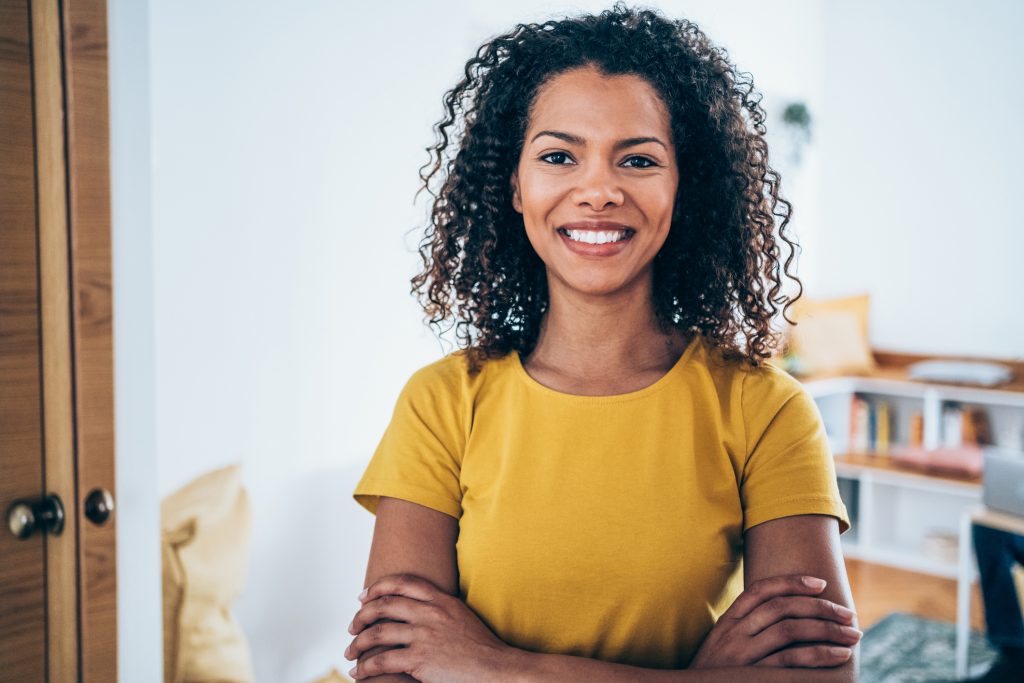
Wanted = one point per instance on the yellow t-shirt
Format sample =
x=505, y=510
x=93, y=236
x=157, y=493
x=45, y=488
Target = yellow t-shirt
x=609, y=527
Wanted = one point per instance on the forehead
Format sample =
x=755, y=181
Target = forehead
x=585, y=100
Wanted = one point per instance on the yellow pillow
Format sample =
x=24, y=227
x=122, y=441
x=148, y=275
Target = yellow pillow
x=831, y=336
x=205, y=530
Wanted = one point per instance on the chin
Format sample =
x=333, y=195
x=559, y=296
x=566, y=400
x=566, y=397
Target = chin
x=595, y=286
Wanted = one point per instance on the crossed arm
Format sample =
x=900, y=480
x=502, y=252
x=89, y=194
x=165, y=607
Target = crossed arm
x=413, y=539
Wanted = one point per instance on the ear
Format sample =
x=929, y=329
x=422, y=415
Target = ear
x=517, y=201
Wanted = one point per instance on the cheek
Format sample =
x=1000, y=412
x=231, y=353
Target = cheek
x=540, y=193
x=659, y=208
x=661, y=198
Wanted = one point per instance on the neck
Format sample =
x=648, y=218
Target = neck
x=604, y=336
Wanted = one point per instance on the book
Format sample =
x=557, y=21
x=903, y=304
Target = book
x=975, y=429
x=952, y=425
x=882, y=420
x=916, y=434
x=859, y=441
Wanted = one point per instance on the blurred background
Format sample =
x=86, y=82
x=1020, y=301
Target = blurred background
x=264, y=163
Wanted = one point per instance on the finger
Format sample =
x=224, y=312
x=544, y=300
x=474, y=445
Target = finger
x=811, y=656
x=381, y=633
x=782, y=607
x=399, y=661
x=409, y=585
x=766, y=589
x=790, y=631
x=394, y=607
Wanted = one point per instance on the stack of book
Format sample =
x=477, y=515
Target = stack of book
x=871, y=427
x=964, y=430
x=965, y=426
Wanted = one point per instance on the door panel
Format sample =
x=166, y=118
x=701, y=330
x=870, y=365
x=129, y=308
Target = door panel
x=54, y=286
x=58, y=592
x=22, y=594
x=85, y=35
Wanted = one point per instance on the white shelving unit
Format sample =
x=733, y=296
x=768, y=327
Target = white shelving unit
x=902, y=517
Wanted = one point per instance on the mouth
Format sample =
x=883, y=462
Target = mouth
x=596, y=242
x=597, y=236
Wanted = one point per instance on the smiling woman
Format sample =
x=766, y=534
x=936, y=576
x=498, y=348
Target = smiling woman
x=606, y=482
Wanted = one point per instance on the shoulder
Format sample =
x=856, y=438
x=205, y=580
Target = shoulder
x=737, y=378
x=769, y=385
x=772, y=398
x=756, y=397
x=441, y=398
x=777, y=409
x=444, y=374
x=448, y=379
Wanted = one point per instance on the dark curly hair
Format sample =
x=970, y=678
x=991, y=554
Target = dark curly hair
x=719, y=272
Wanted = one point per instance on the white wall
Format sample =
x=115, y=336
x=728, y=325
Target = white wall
x=285, y=142
x=139, y=643
x=921, y=171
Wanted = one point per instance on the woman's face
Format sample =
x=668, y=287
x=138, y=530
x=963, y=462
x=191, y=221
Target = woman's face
x=596, y=180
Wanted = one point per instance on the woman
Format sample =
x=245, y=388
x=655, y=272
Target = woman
x=607, y=482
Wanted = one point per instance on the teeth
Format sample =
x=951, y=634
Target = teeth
x=596, y=236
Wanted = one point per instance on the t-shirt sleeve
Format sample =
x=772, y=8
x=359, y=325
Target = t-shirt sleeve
x=419, y=458
x=789, y=469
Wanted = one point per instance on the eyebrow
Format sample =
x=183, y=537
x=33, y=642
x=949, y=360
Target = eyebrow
x=577, y=140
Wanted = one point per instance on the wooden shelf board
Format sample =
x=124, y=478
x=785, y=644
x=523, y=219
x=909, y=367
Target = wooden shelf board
x=858, y=462
x=892, y=367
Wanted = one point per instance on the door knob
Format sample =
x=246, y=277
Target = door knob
x=26, y=516
x=98, y=506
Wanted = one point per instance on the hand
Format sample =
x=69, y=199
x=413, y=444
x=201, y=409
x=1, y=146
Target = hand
x=772, y=614
x=444, y=640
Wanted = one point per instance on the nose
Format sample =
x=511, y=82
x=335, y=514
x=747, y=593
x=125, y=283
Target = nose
x=598, y=188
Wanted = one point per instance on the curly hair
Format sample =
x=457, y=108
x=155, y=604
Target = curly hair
x=719, y=273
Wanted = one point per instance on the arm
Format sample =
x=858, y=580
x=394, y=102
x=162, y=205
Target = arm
x=811, y=546
x=413, y=539
x=410, y=538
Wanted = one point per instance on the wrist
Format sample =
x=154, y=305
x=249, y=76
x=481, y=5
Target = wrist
x=515, y=665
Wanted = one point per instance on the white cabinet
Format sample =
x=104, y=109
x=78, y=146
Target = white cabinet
x=902, y=516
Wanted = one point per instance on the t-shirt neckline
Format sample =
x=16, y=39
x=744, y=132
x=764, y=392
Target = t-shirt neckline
x=657, y=385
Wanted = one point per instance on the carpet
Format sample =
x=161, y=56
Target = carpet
x=903, y=648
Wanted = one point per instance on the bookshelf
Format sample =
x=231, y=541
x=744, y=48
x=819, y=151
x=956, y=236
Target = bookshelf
x=906, y=484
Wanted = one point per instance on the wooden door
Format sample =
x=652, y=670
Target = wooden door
x=22, y=574
x=58, y=607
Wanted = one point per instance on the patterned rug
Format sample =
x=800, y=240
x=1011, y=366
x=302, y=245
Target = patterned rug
x=902, y=648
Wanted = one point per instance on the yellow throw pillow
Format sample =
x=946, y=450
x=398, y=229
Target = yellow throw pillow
x=205, y=528
x=831, y=336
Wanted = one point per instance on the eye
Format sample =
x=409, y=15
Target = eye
x=553, y=156
x=647, y=163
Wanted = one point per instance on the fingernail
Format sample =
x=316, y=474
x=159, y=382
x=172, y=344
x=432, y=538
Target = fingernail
x=836, y=651
x=844, y=612
x=850, y=632
x=812, y=582
x=351, y=626
x=362, y=595
x=352, y=673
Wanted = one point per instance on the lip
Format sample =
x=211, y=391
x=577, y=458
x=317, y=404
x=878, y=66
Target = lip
x=596, y=250
x=596, y=225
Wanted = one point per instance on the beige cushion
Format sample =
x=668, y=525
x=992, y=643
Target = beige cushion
x=334, y=676
x=205, y=530
x=831, y=336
